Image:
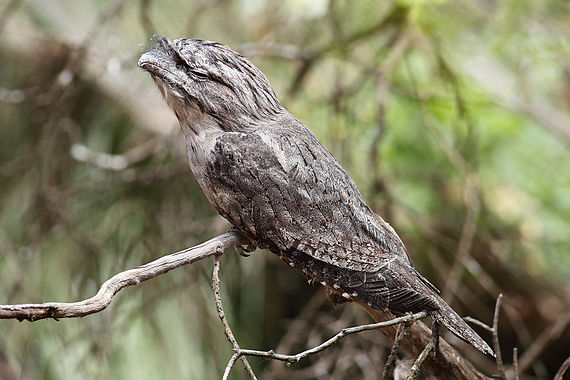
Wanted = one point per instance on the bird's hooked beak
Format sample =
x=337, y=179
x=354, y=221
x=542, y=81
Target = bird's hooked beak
x=162, y=62
x=155, y=58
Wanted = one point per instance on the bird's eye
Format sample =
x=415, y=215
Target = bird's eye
x=199, y=74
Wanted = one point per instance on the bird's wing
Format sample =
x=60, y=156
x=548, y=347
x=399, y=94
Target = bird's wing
x=287, y=192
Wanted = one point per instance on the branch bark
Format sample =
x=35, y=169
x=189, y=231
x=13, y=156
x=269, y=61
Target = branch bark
x=410, y=318
x=134, y=276
x=448, y=364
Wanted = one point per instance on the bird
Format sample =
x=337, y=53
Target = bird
x=268, y=175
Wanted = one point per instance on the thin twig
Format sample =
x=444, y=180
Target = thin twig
x=403, y=330
x=230, y=365
x=222, y=315
x=496, y=345
x=516, y=363
x=467, y=237
x=543, y=340
x=560, y=373
x=526, y=339
x=323, y=346
x=479, y=323
x=449, y=364
x=415, y=370
x=134, y=276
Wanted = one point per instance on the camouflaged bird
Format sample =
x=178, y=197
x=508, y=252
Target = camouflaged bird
x=268, y=175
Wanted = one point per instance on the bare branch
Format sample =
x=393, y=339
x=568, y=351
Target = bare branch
x=560, y=373
x=222, y=315
x=296, y=328
x=415, y=370
x=230, y=365
x=403, y=330
x=134, y=276
x=323, y=346
x=448, y=364
x=479, y=323
x=496, y=345
x=516, y=363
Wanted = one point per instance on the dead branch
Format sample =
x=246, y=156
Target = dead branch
x=415, y=370
x=495, y=333
x=134, y=276
x=402, y=331
x=516, y=363
x=560, y=373
x=449, y=361
x=496, y=345
x=323, y=346
x=447, y=365
x=222, y=315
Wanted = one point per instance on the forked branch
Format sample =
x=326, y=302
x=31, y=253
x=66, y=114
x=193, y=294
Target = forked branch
x=216, y=246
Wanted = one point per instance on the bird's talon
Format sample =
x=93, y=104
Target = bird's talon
x=244, y=251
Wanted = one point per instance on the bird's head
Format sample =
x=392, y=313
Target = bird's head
x=197, y=76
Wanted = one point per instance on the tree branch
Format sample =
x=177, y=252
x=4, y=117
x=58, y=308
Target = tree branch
x=415, y=370
x=222, y=316
x=449, y=361
x=560, y=373
x=448, y=364
x=134, y=276
x=323, y=346
x=400, y=334
x=496, y=345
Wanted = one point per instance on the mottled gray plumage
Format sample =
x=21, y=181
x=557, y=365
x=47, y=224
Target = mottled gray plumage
x=266, y=173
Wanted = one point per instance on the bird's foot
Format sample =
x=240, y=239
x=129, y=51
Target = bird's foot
x=245, y=250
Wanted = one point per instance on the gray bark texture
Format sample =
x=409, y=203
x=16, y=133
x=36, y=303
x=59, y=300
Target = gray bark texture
x=267, y=174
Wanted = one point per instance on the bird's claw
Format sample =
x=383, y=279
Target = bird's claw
x=245, y=250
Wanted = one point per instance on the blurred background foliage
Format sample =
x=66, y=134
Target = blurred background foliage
x=452, y=117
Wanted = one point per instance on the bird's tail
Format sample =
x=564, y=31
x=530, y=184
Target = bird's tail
x=454, y=323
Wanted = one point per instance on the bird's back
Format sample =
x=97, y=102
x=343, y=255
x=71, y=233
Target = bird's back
x=286, y=191
x=288, y=194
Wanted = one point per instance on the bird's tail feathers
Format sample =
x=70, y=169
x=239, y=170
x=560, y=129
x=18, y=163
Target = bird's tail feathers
x=454, y=323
